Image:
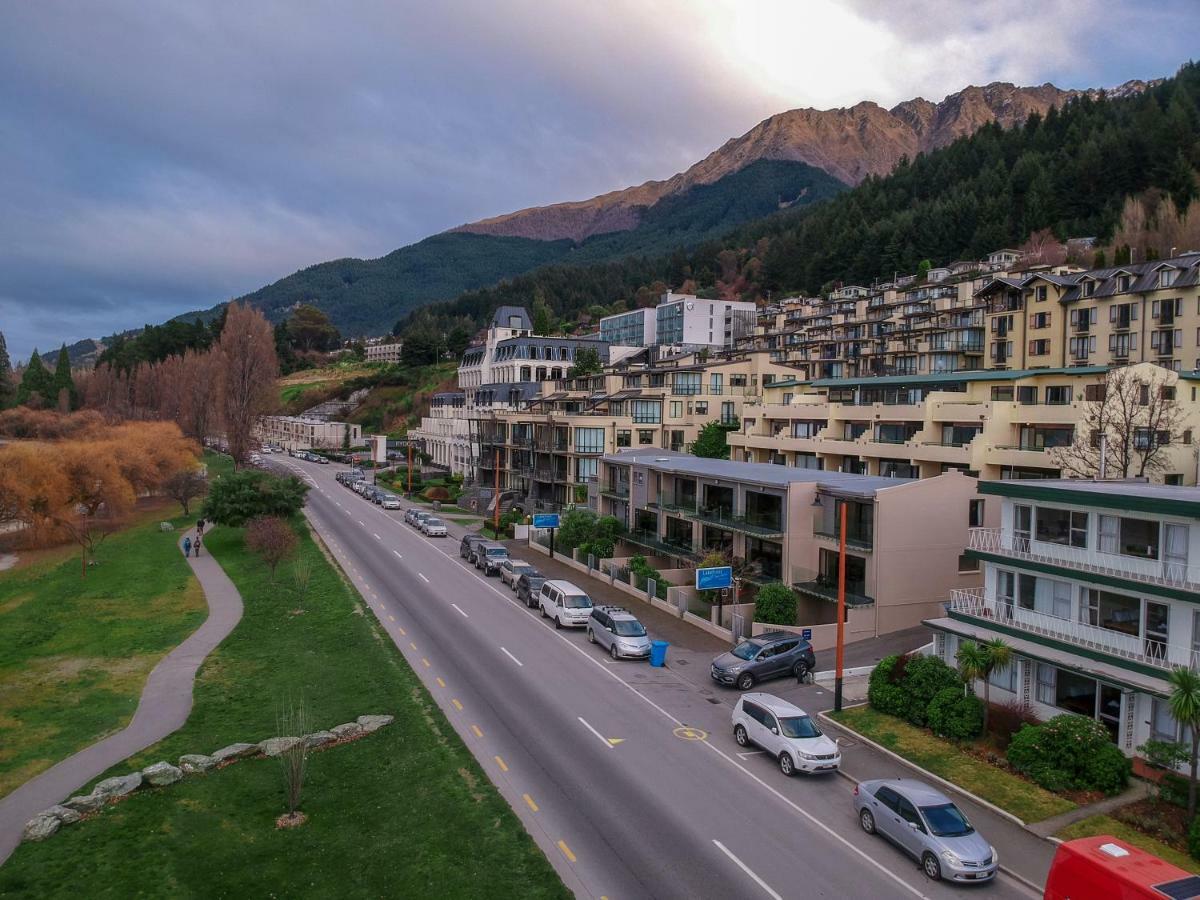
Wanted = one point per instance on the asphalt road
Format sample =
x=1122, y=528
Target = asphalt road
x=626, y=776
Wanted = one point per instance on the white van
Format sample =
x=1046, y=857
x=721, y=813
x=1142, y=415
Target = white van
x=565, y=603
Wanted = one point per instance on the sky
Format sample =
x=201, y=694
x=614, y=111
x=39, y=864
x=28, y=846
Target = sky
x=162, y=157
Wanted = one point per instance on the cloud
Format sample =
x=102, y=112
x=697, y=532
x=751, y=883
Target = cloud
x=163, y=157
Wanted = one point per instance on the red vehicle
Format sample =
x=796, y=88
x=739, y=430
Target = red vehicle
x=1106, y=868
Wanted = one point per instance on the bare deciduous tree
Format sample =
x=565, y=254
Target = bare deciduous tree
x=1137, y=413
x=302, y=572
x=272, y=539
x=248, y=369
x=185, y=486
x=293, y=721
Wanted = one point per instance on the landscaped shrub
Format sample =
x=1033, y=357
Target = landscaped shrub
x=1006, y=719
x=956, y=715
x=436, y=493
x=1193, y=838
x=885, y=694
x=775, y=604
x=924, y=677
x=1070, y=752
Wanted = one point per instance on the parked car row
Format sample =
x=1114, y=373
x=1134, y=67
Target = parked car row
x=356, y=480
x=309, y=456
x=426, y=522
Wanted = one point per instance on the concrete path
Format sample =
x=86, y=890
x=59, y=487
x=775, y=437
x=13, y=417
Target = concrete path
x=1137, y=790
x=164, y=706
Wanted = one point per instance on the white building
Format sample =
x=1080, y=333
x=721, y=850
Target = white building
x=1096, y=587
x=636, y=328
x=387, y=353
x=304, y=433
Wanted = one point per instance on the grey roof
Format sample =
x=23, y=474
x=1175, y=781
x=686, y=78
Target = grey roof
x=675, y=462
x=502, y=314
x=1130, y=487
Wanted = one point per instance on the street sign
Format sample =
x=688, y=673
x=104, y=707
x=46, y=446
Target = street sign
x=806, y=633
x=714, y=578
x=545, y=520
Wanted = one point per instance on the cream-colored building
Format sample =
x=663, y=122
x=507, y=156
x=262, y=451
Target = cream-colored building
x=387, y=353
x=302, y=433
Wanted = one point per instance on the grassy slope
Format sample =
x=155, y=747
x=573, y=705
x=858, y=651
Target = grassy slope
x=1101, y=824
x=404, y=812
x=75, y=653
x=1024, y=800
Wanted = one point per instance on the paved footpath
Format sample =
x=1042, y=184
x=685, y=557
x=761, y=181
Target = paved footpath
x=164, y=706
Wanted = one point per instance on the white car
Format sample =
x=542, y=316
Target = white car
x=565, y=603
x=433, y=527
x=391, y=501
x=786, y=732
x=358, y=487
x=512, y=569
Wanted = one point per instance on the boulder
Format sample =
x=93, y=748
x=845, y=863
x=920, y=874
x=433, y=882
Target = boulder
x=41, y=827
x=318, y=738
x=66, y=815
x=192, y=763
x=348, y=730
x=161, y=774
x=234, y=751
x=374, y=723
x=84, y=804
x=277, y=745
x=118, y=786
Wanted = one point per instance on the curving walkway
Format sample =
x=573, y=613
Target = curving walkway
x=164, y=706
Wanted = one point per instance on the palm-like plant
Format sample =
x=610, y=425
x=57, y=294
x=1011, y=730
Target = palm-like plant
x=1185, y=709
x=980, y=661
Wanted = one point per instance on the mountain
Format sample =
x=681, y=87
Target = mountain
x=849, y=144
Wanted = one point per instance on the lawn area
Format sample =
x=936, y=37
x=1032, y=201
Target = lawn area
x=1023, y=799
x=403, y=812
x=1101, y=824
x=75, y=652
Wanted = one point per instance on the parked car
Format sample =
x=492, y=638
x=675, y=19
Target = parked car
x=529, y=587
x=512, y=569
x=619, y=632
x=565, y=603
x=490, y=556
x=786, y=732
x=434, y=527
x=927, y=825
x=408, y=514
x=390, y=501
x=420, y=516
x=360, y=487
x=767, y=655
x=466, y=547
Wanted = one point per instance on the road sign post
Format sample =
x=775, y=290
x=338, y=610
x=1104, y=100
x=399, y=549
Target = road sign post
x=547, y=520
x=716, y=578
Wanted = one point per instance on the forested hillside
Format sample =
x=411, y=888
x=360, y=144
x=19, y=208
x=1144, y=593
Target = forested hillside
x=1069, y=171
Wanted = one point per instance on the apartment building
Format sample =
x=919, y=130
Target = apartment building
x=304, y=433
x=993, y=424
x=1095, y=585
x=387, y=353
x=905, y=538
x=682, y=320
x=636, y=328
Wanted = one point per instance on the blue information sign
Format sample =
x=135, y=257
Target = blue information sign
x=714, y=578
x=545, y=520
x=806, y=633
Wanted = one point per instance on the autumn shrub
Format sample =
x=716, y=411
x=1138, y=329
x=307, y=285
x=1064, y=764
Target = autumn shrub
x=1006, y=719
x=437, y=492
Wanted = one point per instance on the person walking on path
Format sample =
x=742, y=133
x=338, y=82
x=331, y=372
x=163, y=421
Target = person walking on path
x=196, y=544
x=199, y=527
x=187, y=546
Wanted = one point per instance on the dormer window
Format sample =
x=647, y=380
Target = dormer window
x=1123, y=283
x=1089, y=288
x=1166, y=277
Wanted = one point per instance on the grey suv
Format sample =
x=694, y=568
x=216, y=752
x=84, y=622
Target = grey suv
x=924, y=823
x=466, y=549
x=771, y=654
x=528, y=587
x=488, y=556
x=619, y=632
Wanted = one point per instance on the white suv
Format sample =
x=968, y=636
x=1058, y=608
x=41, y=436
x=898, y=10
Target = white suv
x=786, y=732
x=565, y=603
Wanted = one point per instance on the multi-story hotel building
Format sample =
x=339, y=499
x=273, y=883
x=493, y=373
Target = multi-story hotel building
x=1096, y=587
x=303, y=433
x=682, y=320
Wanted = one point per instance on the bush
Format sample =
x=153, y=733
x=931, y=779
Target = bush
x=237, y=498
x=436, y=493
x=775, y=604
x=885, y=694
x=956, y=715
x=1006, y=719
x=924, y=677
x=1070, y=752
x=1193, y=838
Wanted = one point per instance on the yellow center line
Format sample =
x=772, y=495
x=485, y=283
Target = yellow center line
x=457, y=705
x=441, y=683
x=478, y=733
x=562, y=845
x=529, y=800
x=502, y=764
x=425, y=661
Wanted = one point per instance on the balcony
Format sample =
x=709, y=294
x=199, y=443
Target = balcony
x=652, y=541
x=1142, y=571
x=619, y=491
x=723, y=517
x=971, y=605
x=826, y=588
x=857, y=536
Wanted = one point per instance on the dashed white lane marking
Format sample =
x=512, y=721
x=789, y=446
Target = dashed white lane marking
x=463, y=614
x=745, y=868
x=377, y=537
x=398, y=556
x=603, y=739
x=423, y=578
x=510, y=656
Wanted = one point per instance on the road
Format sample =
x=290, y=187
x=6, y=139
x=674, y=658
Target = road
x=627, y=777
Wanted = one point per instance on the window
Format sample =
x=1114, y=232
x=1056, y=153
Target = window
x=1027, y=395
x=1040, y=320
x=687, y=383
x=587, y=469
x=646, y=412
x=589, y=440
x=702, y=407
x=975, y=514
x=1002, y=393
x=1166, y=277
x=1163, y=726
x=1045, y=683
x=1039, y=348
x=967, y=563
x=676, y=409
x=645, y=436
x=1006, y=678
x=1058, y=395
x=1062, y=526
x=1114, y=612
x=1139, y=537
x=623, y=436
x=1095, y=393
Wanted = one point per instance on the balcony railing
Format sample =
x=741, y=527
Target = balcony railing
x=856, y=536
x=652, y=541
x=1145, y=571
x=618, y=491
x=972, y=604
x=724, y=517
x=827, y=589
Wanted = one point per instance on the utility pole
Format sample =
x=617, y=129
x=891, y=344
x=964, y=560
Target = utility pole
x=841, y=613
x=496, y=511
x=410, y=468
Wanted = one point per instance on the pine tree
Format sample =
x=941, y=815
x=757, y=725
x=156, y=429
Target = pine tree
x=37, y=383
x=63, y=380
x=7, y=388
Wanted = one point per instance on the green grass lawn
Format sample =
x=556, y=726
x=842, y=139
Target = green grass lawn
x=1023, y=799
x=75, y=652
x=403, y=812
x=1101, y=824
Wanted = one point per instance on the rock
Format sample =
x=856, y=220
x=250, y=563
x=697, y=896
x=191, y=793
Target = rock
x=318, y=738
x=161, y=774
x=192, y=763
x=374, y=723
x=119, y=786
x=277, y=745
x=41, y=827
x=66, y=815
x=234, y=751
x=84, y=804
x=348, y=730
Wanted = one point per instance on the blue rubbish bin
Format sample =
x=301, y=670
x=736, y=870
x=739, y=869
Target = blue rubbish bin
x=658, y=653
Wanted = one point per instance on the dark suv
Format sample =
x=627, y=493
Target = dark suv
x=768, y=655
x=466, y=549
x=528, y=588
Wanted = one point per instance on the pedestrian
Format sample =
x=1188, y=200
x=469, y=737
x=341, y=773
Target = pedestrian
x=187, y=546
x=199, y=526
x=197, y=545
